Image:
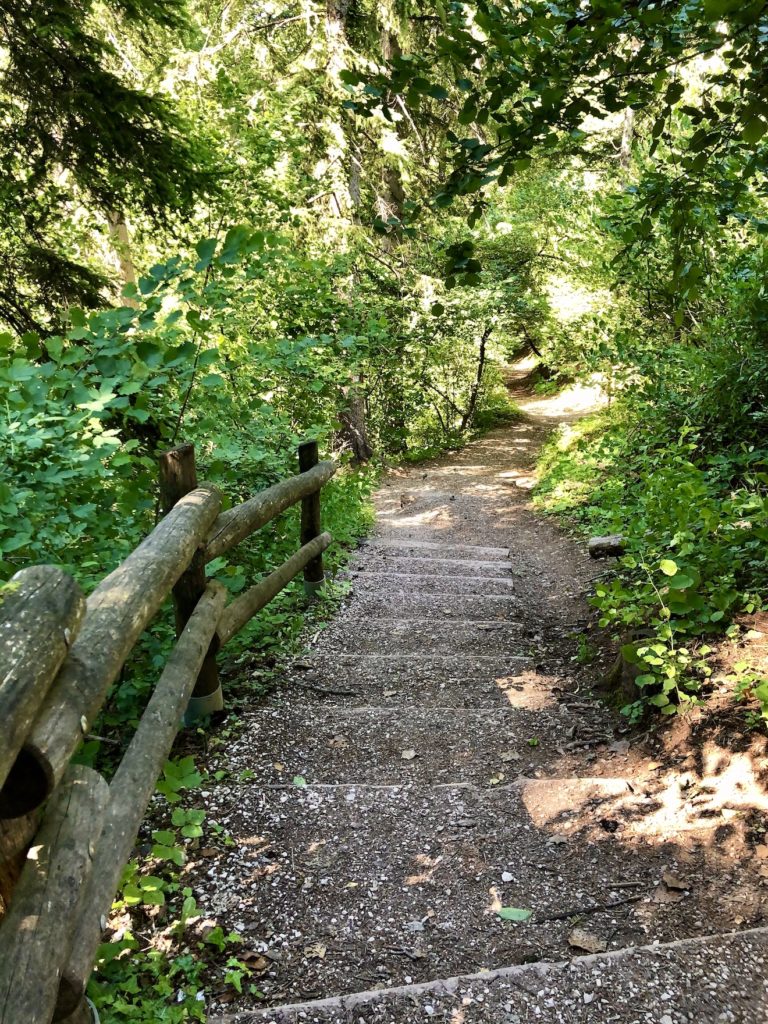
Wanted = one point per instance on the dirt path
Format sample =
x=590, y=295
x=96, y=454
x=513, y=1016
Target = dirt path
x=451, y=764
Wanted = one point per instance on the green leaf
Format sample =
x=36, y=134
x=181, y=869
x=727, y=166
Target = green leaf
x=680, y=582
x=131, y=894
x=754, y=130
x=645, y=680
x=668, y=567
x=299, y=781
x=164, y=838
x=514, y=914
x=152, y=891
x=205, y=249
x=172, y=853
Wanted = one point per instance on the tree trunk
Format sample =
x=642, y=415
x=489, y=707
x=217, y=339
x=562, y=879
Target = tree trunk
x=336, y=32
x=354, y=430
x=346, y=194
x=390, y=206
x=121, y=243
x=391, y=203
x=475, y=391
x=627, y=134
x=343, y=181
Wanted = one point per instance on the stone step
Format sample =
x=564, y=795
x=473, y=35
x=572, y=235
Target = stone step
x=410, y=497
x=390, y=562
x=419, y=583
x=406, y=548
x=357, y=635
x=341, y=889
x=404, y=680
x=409, y=605
x=718, y=979
x=383, y=746
x=458, y=471
x=472, y=479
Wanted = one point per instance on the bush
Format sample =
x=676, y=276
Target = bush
x=694, y=521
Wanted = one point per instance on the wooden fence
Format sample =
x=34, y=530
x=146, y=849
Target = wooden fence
x=65, y=835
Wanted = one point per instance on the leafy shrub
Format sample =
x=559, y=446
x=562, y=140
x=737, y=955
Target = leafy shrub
x=696, y=534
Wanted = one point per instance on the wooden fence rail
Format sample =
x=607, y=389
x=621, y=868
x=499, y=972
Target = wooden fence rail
x=59, y=655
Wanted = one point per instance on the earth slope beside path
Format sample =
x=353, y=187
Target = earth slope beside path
x=455, y=768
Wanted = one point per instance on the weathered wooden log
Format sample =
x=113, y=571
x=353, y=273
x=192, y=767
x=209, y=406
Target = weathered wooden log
x=118, y=611
x=257, y=597
x=310, y=519
x=40, y=614
x=178, y=476
x=132, y=787
x=16, y=836
x=36, y=934
x=239, y=522
x=606, y=547
x=82, y=1015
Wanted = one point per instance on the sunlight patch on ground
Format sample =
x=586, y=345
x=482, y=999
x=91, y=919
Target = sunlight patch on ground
x=429, y=865
x=549, y=801
x=496, y=903
x=576, y=399
x=723, y=791
x=727, y=787
x=524, y=691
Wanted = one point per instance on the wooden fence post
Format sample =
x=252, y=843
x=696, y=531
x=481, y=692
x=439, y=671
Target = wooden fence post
x=310, y=520
x=40, y=614
x=178, y=476
x=36, y=934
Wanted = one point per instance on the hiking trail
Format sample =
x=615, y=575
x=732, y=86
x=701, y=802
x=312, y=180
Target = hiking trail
x=452, y=763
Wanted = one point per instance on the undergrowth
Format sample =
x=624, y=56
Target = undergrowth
x=496, y=409
x=695, y=530
x=165, y=955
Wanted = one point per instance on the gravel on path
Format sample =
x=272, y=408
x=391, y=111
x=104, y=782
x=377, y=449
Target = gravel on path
x=435, y=792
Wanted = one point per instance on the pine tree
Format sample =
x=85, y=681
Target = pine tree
x=71, y=127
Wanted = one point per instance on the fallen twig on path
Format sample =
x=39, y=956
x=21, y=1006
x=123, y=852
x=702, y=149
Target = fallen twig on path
x=563, y=915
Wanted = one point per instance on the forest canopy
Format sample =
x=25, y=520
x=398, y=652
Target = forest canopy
x=243, y=223
x=247, y=223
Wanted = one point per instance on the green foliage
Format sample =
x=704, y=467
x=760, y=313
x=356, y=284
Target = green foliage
x=695, y=529
x=166, y=979
x=529, y=78
x=76, y=130
x=150, y=989
x=751, y=687
x=178, y=776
